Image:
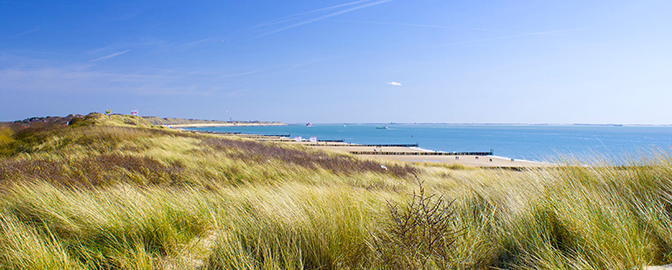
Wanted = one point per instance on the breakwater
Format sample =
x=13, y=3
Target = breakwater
x=422, y=153
x=369, y=145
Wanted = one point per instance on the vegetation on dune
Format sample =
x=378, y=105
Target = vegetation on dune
x=104, y=151
x=180, y=121
x=115, y=192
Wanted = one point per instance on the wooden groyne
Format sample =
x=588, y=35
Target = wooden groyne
x=422, y=153
x=370, y=145
x=211, y=132
x=239, y=133
x=263, y=136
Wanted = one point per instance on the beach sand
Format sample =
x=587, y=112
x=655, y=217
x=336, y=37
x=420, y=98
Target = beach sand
x=466, y=160
x=225, y=125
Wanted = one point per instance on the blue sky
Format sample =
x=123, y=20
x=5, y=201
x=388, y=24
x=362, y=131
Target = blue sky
x=340, y=61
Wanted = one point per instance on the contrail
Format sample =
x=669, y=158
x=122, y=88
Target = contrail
x=424, y=25
x=312, y=62
x=456, y=28
x=109, y=56
x=324, y=17
x=194, y=42
x=292, y=17
x=28, y=32
x=512, y=36
x=42, y=4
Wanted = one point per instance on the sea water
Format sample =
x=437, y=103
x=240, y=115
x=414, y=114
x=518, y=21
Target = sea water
x=529, y=142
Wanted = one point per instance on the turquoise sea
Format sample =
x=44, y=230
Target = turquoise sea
x=529, y=142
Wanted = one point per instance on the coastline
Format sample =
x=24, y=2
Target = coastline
x=224, y=125
x=397, y=153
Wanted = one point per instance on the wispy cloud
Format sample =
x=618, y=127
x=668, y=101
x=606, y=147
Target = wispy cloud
x=46, y=5
x=295, y=16
x=242, y=73
x=310, y=62
x=141, y=44
x=512, y=36
x=76, y=79
x=110, y=56
x=28, y=32
x=517, y=33
x=325, y=16
x=240, y=93
x=425, y=26
x=394, y=83
x=87, y=79
x=144, y=45
x=194, y=43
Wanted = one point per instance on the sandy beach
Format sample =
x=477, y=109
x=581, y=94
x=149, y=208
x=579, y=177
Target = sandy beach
x=466, y=160
x=224, y=125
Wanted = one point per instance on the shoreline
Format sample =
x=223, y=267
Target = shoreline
x=396, y=153
x=482, y=161
x=223, y=125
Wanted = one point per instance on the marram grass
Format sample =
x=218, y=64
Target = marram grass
x=125, y=195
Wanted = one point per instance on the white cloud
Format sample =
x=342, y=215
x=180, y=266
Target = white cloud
x=394, y=83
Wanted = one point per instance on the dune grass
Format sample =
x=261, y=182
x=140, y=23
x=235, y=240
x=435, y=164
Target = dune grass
x=121, y=196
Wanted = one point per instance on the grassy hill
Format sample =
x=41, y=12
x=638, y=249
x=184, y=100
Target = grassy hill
x=181, y=121
x=116, y=119
x=116, y=192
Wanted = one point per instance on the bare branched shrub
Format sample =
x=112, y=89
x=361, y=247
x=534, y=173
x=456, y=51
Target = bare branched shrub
x=420, y=233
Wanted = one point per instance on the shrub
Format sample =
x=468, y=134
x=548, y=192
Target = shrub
x=419, y=234
x=6, y=141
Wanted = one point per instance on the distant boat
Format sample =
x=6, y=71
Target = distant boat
x=309, y=124
x=385, y=127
